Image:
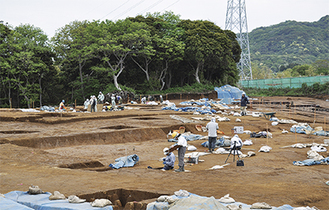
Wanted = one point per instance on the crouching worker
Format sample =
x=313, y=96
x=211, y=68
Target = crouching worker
x=181, y=145
x=169, y=160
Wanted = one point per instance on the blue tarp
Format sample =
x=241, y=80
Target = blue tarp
x=218, y=143
x=209, y=204
x=127, y=161
x=321, y=133
x=191, y=109
x=228, y=93
x=47, y=108
x=7, y=204
x=191, y=137
x=300, y=129
x=42, y=202
x=310, y=162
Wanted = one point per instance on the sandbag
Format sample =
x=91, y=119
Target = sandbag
x=101, y=202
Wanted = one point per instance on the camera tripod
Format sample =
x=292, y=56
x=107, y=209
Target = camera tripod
x=234, y=148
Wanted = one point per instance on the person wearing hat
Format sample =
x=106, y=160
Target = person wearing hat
x=244, y=102
x=100, y=97
x=62, y=106
x=169, y=160
x=181, y=145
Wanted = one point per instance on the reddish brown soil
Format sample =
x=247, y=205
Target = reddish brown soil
x=71, y=154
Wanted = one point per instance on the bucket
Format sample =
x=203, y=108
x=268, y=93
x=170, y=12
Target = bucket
x=194, y=160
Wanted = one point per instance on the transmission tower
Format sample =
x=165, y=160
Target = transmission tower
x=236, y=21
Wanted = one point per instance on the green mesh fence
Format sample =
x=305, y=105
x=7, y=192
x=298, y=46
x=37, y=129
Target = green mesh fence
x=295, y=82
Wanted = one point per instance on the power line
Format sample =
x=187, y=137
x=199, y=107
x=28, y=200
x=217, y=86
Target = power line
x=129, y=9
x=93, y=9
x=115, y=9
x=170, y=5
x=150, y=7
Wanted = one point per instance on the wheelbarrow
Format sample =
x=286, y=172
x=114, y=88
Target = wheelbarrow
x=269, y=115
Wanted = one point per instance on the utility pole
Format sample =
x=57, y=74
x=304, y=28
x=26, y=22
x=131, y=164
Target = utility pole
x=236, y=21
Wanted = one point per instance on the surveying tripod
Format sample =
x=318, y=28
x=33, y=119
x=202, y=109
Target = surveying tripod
x=234, y=148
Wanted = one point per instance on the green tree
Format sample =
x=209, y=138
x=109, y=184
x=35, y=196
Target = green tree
x=114, y=42
x=206, y=43
x=71, y=45
x=321, y=67
x=29, y=61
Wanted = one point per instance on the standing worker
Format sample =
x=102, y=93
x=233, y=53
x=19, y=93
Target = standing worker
x=100, y=97
x=62, y=106
x=169, y=160
x=93, y=103
x=113, y=101
x=86, y=103
x=161, y=99
x=244, y=102
x=181, y=145
x=212, y=128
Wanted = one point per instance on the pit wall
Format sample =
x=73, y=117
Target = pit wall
x=122, y=136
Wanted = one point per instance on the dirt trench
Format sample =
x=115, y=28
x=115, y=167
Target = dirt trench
x=72, y=154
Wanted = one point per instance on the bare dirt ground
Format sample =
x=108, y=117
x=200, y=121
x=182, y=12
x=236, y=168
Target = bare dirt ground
x=71, y=154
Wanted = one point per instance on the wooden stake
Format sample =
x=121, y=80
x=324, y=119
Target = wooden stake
x=267, y=134
x=314, y=114
x=296, y=135
x=324, y=123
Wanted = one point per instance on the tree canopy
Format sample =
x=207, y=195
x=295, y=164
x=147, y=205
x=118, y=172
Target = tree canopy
x=143, y=53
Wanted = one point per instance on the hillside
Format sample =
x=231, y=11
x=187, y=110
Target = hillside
x=290, y=42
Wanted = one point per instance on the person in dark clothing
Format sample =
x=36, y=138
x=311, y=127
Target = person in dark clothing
x=244, y=102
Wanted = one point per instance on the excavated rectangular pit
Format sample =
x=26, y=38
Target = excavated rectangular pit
x=123, y=199
x=91, y=166
x=17, y=132
x=117, y=127
x=145, y=118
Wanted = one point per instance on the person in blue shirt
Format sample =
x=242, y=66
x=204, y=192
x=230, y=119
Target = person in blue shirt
x=244, y=102
x=169, y=160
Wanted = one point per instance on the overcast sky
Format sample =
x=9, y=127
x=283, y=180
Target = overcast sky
x=50, y=15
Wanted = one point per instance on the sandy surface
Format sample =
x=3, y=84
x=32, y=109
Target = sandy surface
x=71, y=154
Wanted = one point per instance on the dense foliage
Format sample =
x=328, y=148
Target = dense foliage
x=140, y=54
x=285, y=45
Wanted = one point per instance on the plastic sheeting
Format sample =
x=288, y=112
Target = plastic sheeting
x=229, y=94
x=196, y=202
x=191, y=137
x=47, y=108
x=305, y=129
x=42, y=202
x=310, y=162
x=9, y=204
x=127, y=161
x=190, y=109
x=219, y=143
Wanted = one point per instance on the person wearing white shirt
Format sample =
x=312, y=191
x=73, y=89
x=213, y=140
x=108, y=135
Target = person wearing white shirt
x=212, y=128
x=181, y=145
